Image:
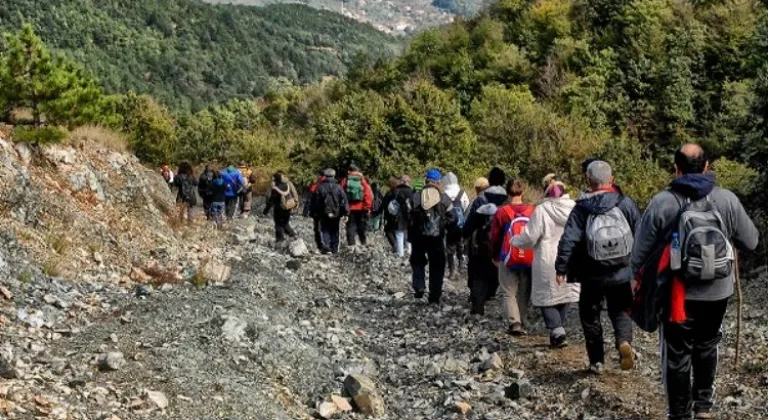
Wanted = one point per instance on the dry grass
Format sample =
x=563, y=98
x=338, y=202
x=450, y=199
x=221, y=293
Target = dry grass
x=112, y=140
x=160, y=276
x=51, y=269
x=58, y=243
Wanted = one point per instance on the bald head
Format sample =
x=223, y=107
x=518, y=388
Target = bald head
x=691, y=159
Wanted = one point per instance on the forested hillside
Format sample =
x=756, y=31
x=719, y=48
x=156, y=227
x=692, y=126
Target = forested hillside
x=190, y=54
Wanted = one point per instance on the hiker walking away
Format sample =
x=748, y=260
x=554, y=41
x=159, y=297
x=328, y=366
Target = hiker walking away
x=235, y=184
x=218, y=199
x=245, y=196
x=542, y=234
x=482, y=273
x=514, y=264
x=283, y=200
x=360, y=199
x=595, y=250
x=396, y=214
x=186, y=198
x=329, y=205
x=167, y=174
x=431, y=212
x=378, y=199
x=205, y=189
x=694, y=224
x=389, y=227
x=307, y=210
x=454, y=244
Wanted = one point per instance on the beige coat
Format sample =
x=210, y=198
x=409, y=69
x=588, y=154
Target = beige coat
x=543, y=234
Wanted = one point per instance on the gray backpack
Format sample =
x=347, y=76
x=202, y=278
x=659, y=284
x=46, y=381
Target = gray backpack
x=706, y=252
x=609, y=238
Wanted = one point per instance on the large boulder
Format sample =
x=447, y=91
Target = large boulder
x=363, y=392
x=215, y=272
x=298, y=248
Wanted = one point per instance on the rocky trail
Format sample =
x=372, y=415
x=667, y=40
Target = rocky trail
x=276, y=342
x=224, y=325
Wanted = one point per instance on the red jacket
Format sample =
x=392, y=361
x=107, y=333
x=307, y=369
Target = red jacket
x=367, y=203
x=503, y=217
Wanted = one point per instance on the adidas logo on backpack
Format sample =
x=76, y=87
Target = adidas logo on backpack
x=609, y=238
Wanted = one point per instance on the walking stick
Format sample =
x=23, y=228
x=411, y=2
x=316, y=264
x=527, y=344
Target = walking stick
x=739, y=311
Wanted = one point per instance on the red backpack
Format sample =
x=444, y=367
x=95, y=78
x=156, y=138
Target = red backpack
x=512, y=256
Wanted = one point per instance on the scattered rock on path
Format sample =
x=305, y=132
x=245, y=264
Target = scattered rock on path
x=216, y=272
x=298, y=248
x=493, y=362
x=6, y=370
x=364, y=394
x=341, y=403
x=461, y=407
x=519, y=389
x=111, y=361
x=293, y=265
x=327, y=410
x=233, y=328
x=158, y=399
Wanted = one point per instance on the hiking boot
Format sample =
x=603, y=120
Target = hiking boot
x=516, y=330
x=559, y=341
x=704, y=415
x=418, y=295
x=433, y=300
x=596, y=369
x=627, y=356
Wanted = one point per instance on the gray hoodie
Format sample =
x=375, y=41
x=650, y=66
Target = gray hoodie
x=663, y=212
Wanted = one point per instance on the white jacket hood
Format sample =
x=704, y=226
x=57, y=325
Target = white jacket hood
x=559, y=209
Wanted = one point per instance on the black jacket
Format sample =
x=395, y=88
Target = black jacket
x=572, y=257
x=205, y=185
x=275, y=198
x=328, y=188
x=401, y=193
x=493, y=195
x=443, y=209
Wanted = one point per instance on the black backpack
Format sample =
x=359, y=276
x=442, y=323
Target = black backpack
x=481, y=237
x=188, y=189
x=331, y=203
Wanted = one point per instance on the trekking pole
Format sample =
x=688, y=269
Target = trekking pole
x=739, y=301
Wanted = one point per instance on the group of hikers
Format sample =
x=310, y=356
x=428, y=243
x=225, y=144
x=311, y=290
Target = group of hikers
x=671, y=268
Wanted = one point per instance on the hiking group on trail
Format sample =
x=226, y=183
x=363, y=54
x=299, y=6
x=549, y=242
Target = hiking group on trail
x=670, y=269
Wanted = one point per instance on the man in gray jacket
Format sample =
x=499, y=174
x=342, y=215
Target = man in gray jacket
x=691, y=345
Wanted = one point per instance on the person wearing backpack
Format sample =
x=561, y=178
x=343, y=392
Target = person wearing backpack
x=695, y=224
x=235, y=184
x=329, y=205
x=542, y=234
x=453, y=241
x=204, y=189
x=360, y=199
x=482, y=273
x=307, y=210
x=218, y=199
x=514, y=264
x=396, y=213
x=186, y=198
x=431, y=212
x=284, y=200
x=595, y=250
x=378, y=199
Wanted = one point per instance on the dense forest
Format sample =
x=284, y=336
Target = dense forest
x=532, y=86
x=189, y=54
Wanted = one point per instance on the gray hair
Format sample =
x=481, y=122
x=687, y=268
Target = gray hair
x=599, y=173
x=329, y=173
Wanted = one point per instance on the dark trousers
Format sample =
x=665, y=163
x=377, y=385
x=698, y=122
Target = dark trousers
x=390, y=235
x=318, y=233
x=231, y=206
x=692, y=346
x=483, y=279
x=554, y=319
x=329, y=229
x=454, y=248
x=619, y=300
x=283, y=224
x=207, y=203
x=428, y=251
x=357, y=226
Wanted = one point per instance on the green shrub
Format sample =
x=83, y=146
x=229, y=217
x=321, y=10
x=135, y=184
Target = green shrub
x=39, y=135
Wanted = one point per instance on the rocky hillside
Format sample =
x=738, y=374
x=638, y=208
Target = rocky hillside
x=117, y=320
x=395, y=17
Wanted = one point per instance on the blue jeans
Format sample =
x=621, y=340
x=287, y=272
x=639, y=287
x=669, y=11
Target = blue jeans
x=401, y=247
x=329, y=229
x=217, y=212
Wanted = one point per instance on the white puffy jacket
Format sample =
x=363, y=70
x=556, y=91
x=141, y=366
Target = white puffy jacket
x=543, y=235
